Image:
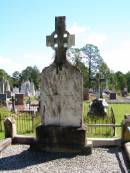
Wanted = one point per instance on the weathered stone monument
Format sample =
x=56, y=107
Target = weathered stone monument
x=98, y=105
x=27, y=88
x=61, y=99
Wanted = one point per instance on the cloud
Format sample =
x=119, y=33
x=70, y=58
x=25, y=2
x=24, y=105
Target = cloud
x=114, y=51
x=118, y=56
x=9, y=65
x=76, y=29
x=84, y=35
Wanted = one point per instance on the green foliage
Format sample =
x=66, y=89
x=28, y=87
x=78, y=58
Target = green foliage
x=93, y=60
x=74, y=56
x=127, y=76
x=121, y=80
x=16, y=78
x=32, y=74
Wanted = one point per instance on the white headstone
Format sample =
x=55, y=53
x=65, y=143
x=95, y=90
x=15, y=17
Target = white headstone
x=32, y=89
x=7, y=85
x=62, y=96
x=16, y=90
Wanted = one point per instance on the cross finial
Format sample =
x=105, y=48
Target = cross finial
x=60, y=40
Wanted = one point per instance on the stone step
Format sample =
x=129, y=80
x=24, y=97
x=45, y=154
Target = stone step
x=22, y=139
x=100, y=142
x=5, y=143
x=127, y=149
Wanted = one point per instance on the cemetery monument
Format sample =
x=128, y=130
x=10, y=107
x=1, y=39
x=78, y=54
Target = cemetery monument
x=61, y=99
x=98, y=105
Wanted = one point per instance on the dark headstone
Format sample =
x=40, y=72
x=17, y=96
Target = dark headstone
x=3, y=99
x=112, y=96
x=97, y=108
x=19, y=99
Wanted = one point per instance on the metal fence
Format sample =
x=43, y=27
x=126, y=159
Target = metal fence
x=25, y=122
x=103, y=126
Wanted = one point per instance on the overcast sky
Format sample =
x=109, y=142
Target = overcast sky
x=24, y=25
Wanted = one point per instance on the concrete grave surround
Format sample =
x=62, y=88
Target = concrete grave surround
x=61, y=96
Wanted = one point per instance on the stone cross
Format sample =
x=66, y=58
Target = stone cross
x=60, y=40
x=98, y=81
x=13, y=104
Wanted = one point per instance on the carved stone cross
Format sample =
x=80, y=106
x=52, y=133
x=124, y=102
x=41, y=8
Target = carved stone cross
x=98, y=81
x=60, y=40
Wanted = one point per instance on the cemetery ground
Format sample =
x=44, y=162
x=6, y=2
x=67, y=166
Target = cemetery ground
x=19, y=158
x=25, y=125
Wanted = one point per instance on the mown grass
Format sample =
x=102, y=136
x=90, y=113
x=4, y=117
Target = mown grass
x=120, y=110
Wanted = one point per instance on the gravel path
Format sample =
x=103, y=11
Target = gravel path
x=18, y=159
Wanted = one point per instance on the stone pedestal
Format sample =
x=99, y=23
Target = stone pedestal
x=62, y=139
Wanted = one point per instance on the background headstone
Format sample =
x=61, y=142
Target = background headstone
x=19, y=99
x=112, y=96
x=3, y=99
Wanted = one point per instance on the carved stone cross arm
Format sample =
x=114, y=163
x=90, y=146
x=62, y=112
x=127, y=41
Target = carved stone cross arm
x=60, y=40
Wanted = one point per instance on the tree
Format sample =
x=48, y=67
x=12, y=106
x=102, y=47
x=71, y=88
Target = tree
x=127, y=77
x=16, y=79
x=74, y=55
x=31, y=74
x=121, y=80
x=93, y=60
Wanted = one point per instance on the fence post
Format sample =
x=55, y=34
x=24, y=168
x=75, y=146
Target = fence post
x=32, y=123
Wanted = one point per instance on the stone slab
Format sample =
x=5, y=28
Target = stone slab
x=21, y=139
x=105, y=142
x=62, y=96
x=61, y=135
x=5, y=143
x=127, y=150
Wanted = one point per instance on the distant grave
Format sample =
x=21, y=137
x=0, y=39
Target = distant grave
x=27, y=88
x=19, y=99
x=3, y=99
x=112, y=96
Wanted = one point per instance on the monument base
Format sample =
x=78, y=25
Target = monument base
x=62, y=139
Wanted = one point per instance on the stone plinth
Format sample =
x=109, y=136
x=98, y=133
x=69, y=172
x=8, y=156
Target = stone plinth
x=62, y=139
x=62, y=96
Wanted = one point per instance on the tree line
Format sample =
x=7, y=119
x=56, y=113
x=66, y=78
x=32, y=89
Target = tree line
x=88, y=60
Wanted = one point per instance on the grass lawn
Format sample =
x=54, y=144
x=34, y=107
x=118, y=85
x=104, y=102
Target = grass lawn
x=120, y=110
